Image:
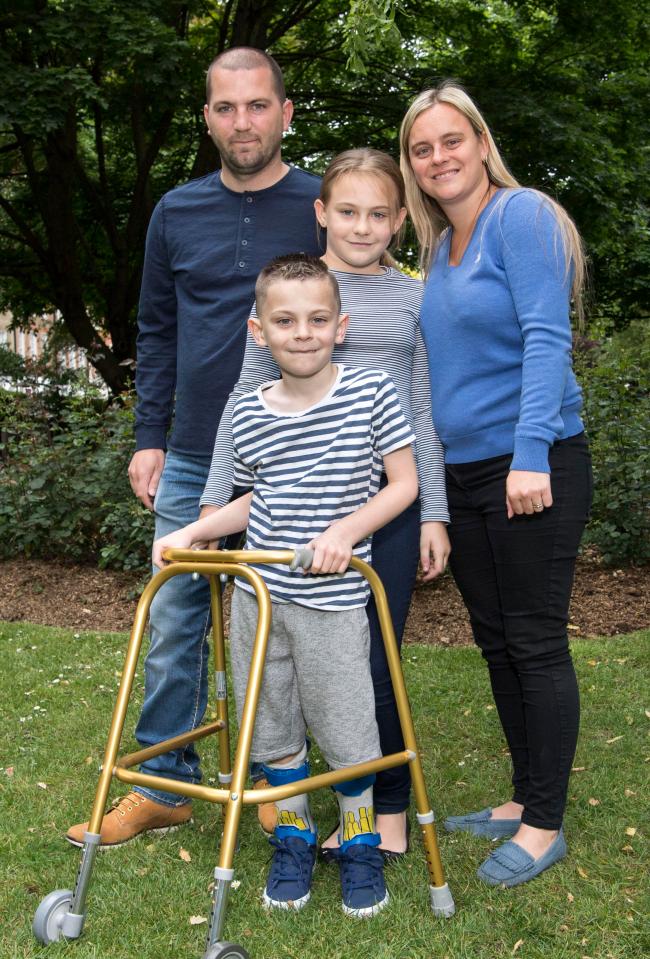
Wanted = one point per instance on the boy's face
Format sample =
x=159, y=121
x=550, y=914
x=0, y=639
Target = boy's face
x=299, y=322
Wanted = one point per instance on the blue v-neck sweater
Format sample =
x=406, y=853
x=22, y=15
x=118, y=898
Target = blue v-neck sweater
x=498, y=337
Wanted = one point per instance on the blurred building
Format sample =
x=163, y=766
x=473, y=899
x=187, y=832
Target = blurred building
x=31, y=344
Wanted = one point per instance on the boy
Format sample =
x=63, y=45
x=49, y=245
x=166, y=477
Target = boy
x=312, y=446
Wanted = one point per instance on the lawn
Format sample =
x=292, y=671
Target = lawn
x=56, y=694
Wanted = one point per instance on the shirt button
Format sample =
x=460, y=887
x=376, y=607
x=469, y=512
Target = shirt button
x=242, y=264
x=244, y=242
x=247, y=219
x=249, y=199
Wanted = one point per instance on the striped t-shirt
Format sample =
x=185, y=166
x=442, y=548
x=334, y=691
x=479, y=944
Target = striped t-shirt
x=311, y=468
x=384, y=334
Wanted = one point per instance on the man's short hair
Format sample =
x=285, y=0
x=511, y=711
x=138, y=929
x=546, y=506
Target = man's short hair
x=246, y=58
x=294, y=266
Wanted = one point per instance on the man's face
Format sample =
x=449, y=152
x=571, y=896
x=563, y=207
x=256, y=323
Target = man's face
x=246, y=119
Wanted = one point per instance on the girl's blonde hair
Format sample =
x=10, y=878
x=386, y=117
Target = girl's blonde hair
x=373, y=163
x=428, y=217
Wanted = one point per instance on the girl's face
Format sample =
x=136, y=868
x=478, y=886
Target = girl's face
x=446, y=156
x=361, y=217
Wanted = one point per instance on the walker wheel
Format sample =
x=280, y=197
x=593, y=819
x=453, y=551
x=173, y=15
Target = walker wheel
x=50, y=914
x=225, y=950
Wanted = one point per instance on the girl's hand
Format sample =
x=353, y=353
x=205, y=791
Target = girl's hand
x=434, y=549
x=527, y=492
x=332, y=551
x=178, y=540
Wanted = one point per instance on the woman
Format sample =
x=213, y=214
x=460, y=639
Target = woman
x=502, y=263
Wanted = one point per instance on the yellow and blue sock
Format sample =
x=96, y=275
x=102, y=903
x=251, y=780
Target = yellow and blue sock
x=294, y=815
x=357, y=812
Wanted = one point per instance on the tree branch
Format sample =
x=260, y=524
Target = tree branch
x=28, y=236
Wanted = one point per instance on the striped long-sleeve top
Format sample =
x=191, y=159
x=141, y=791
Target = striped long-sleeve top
x=384, y=333
x=313, y=467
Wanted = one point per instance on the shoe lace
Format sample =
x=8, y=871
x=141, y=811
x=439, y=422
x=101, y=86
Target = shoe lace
x=126, y=803
x=361, y=867
x=287, y=860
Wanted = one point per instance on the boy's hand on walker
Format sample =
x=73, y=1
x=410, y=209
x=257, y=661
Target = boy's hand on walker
x=434, y=549
x=332, y=552
x=527, y=492
x=177, y=540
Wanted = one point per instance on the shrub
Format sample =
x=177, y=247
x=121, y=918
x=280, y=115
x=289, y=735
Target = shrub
x=616, y=383
x=64, y=490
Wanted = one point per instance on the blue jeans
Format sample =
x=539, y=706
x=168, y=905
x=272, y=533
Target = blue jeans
x=175, y=671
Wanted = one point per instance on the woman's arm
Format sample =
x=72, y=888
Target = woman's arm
x=539, y=283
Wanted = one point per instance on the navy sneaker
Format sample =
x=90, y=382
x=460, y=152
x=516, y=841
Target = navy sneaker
x=362, y=879
x=289, y=882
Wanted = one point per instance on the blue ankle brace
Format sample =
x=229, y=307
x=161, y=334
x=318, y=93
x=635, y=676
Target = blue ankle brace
x=294, y=816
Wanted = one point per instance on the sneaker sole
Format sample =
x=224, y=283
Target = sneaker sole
x=368, y=912
x=293, y=905
x=160, y=831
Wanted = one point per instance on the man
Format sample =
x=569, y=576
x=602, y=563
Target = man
x=206, y=244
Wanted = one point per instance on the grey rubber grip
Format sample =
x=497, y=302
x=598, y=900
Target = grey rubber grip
x=302, y=559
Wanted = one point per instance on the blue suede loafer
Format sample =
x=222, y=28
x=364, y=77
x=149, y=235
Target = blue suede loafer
x=482, y=824
x=510, y=865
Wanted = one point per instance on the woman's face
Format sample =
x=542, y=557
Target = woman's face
x=446, y=156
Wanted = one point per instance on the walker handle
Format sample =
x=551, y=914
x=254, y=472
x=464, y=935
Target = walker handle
x=302, y=559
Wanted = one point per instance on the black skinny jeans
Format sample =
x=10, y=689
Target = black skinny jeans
x=515, y=577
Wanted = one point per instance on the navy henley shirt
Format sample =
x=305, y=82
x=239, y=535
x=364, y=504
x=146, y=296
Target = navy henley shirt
x=205, y=247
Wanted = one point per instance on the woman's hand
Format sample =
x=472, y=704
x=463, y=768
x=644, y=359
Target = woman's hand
x=177, y=540
x=527, y=492
x=332, y=551
x=434, y=549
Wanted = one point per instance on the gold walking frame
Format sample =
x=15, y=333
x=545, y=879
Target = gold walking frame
x=61, y=914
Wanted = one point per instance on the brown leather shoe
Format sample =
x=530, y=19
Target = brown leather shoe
x=130, y=816
x=267, y=814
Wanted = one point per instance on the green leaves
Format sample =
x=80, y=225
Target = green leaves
x=370, y=28
x=64, y=490
x=617, y=418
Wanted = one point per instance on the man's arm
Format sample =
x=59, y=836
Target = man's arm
x=333, y=548
x=232, y=518
x=156, y=368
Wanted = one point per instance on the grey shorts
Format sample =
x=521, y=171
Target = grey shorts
x=316, y=677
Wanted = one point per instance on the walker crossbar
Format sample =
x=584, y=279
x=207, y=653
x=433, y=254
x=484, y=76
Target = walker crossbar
x=60, y=914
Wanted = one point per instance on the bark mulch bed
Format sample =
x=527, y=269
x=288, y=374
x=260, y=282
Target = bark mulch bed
x=605, y=601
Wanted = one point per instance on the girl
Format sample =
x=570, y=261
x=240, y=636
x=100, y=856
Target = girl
x=362, y=206
x=500, y=262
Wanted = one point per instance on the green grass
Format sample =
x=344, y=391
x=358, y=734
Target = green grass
x=56, y=693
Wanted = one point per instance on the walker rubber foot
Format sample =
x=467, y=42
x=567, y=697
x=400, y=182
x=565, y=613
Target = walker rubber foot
x=442, y=901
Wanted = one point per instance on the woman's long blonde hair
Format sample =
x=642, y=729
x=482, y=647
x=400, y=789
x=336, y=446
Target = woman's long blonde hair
x=430, y=220
x=373, y=163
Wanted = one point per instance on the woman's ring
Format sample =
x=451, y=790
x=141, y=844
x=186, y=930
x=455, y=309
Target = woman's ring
x=538, y=507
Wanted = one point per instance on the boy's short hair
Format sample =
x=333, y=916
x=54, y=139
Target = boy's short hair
x=294, y=266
